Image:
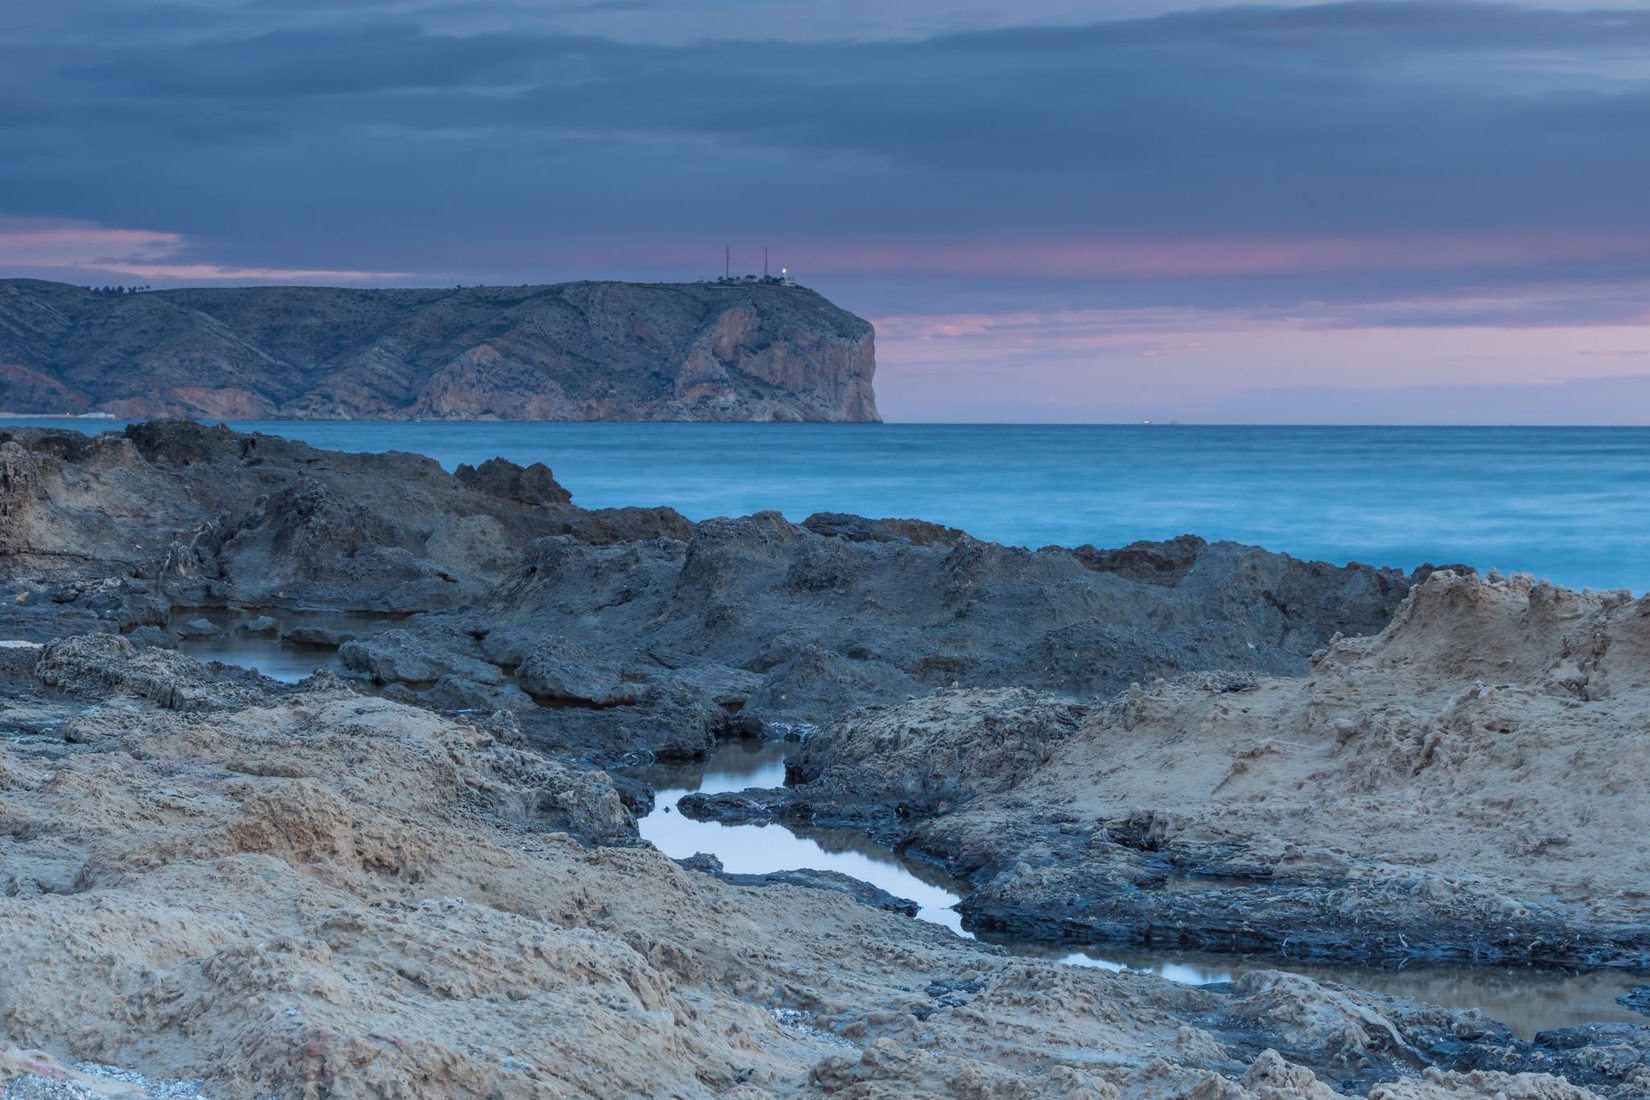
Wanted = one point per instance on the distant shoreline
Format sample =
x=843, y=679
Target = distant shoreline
x=6, y=415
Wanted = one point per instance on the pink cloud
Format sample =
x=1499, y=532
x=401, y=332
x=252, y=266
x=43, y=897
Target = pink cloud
x=33, y=242
x=79, y=249
x=1213, y=364
x=217, y=273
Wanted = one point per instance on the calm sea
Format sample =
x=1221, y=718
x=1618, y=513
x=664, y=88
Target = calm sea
x=1569, y=504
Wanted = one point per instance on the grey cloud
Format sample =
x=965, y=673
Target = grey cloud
x=285, y=129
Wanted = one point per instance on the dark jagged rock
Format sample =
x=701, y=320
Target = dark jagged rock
x=860, y=529
x=826, y=618
x=797, y=623
x=1148, y=562
x=321, y=637
x=500, y=477
x=210, y=517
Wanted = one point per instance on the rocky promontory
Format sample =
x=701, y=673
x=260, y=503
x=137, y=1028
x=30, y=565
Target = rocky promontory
x=739, y=351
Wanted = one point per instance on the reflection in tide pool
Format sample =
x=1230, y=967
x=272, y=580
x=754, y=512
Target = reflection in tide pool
x=1525, y=1000
x=270, y=656
x=759, y=849
x=279, y=658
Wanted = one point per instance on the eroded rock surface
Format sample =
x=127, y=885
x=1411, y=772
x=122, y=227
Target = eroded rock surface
x=411, y=881
x=815, y=616
x=321, y=893
x=1470, y=783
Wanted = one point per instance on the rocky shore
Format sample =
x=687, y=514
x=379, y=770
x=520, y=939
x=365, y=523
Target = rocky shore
x=1465, y=785
x=416, y=875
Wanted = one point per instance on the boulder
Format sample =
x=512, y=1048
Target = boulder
x=197, y=628
x=561, y=671
x=400, y=656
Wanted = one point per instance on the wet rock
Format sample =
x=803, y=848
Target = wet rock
x=614, y=526
x=816, y=681
x=840, y=612
x=1159, y=563
x=318, y=636
x=152, y=636
x=764, y=805
x=1608, y=1059
x=666, y=719
x=314, y=534
x=262, y=626
x=636, y=795
x=858, y=889
x=827, y=618
x=578, y=801
x=1157, y=819
x=401, y=656
x=456, y=693
x=259, y=521
x=725, y=687
x=181, y=442
x=1637, y=999
x=678, y=721
x=197, y=628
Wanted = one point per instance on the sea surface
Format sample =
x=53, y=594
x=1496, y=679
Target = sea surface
x=1567, y=504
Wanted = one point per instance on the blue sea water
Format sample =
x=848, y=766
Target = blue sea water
x=1568, y=504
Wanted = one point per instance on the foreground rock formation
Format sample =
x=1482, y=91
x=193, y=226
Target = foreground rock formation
x=307, y=892
x=410, y=876
x=572, y=351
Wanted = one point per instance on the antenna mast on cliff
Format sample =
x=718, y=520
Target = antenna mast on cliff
x=764, y=264
x=727, y=262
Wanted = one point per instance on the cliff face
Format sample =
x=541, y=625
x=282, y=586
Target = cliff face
x=572, y=351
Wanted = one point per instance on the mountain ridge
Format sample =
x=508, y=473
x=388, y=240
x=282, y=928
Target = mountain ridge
x=564, y=351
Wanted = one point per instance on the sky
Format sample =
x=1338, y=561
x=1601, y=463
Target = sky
x=1394, y=211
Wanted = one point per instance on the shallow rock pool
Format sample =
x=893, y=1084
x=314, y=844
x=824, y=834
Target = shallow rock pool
x=1525, y=1000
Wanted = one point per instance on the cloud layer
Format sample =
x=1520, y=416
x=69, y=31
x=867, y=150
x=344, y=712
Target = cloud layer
x=1314, y=164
